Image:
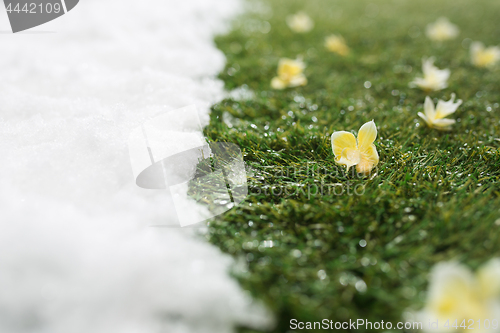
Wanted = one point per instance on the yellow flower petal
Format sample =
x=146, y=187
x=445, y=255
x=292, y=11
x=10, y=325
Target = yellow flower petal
x=444, y=109
x=277, y=83
x=434, y=78
x=424, y=117
x=351, y=154
x=429, y=109
x=443, y=124
x=288, y=68
x=337, y=45
x=362, y=153
x=300, y=22
x=454, y=294
x=434, y=116
x=342, y=140
x=488, y=277
x=299, y=80
x=289, y=74
x=451, y=288
x=367, y=135
x=369, y=159
x=349, y=157
x=482, y=56
x=442, y=30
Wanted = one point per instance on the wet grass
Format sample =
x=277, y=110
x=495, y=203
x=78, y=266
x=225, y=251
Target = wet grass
x=314, y=242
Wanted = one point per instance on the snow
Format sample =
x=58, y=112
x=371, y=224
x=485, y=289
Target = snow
x=77, y=250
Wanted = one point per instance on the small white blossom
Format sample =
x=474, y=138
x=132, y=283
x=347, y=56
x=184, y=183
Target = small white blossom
x=484, y=57
x=290, y=74
x=337, y=44
x=456, y=294
x=300, y=22
x=434, y=117
x=434, y=78
x=442, y=30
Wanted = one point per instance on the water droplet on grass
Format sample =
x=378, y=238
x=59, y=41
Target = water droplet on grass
x=365, y=261
x=296, y=253
x=361, y=286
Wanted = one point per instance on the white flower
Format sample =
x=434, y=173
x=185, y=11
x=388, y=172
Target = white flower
x=336, y=44
x=434, y=78
x=489, y=278
x=290, y=74
x=300, y=22
x=434, y=117
x=457, y=294
x=442, y=30
x=484, y=57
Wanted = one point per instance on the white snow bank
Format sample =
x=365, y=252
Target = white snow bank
x=76, y=252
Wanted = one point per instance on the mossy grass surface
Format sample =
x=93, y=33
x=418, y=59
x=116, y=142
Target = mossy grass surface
x=311, y=254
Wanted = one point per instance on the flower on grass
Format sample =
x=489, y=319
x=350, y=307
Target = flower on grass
x=361, y=152
x=434, y=78
x=442, y=30
x=336, y=44
x=456, y=294
x=290, y=74
x=434, y=117
x=300, y=22
x=484, y=56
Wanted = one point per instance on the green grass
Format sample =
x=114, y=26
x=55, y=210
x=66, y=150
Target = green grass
x=434, y=196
